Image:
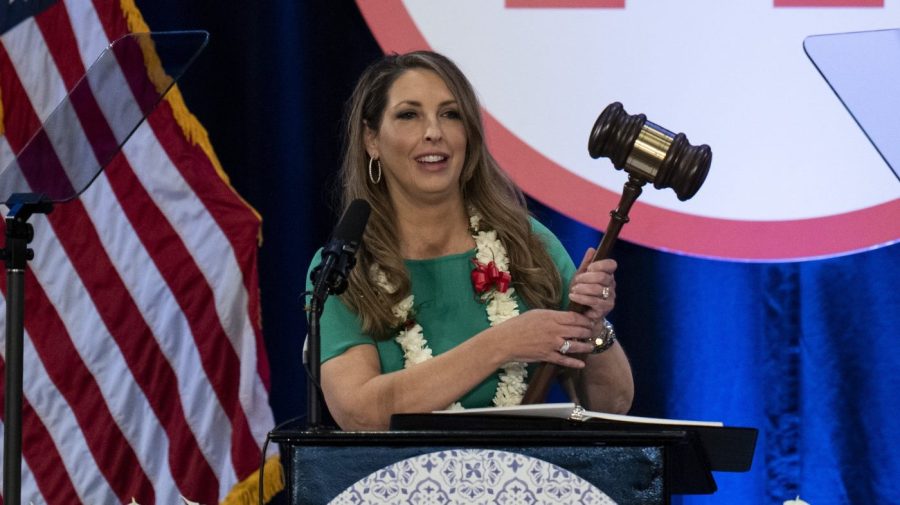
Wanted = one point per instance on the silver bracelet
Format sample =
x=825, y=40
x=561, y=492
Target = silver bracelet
x=605, y=339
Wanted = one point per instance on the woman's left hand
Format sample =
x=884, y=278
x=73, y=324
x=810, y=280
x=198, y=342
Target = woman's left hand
x=594, y=286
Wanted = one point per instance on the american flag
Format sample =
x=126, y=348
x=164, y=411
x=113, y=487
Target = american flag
x=145, y=374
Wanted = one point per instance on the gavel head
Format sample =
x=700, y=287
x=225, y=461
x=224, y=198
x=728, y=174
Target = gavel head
x=649, y=152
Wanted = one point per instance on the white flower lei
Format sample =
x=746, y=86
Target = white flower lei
x=500, y=306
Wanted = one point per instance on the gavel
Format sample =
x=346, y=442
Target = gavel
x=648, y=153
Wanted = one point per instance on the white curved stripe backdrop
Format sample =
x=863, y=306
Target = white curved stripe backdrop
x=790, y=166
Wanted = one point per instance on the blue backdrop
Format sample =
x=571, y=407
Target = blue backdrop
x=805, y=352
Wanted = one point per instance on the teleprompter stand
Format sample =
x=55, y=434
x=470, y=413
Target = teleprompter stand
x=19, y=233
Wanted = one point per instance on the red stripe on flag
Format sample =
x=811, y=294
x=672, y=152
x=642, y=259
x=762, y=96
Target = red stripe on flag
x=128, y=53
x=42, y=169
x=39, y=451
x=130, y=57
x=43, y=459
x=38, y=164
x=56, y=28
x=18, y=117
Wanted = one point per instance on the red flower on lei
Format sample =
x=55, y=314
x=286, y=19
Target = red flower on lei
x=487, y=277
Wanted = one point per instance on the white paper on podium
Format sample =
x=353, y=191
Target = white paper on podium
x=575, y=413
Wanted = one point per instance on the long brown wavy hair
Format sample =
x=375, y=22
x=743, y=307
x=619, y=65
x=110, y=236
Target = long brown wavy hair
x=484, y=187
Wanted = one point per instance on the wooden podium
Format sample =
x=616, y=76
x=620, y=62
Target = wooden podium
x=631, y=463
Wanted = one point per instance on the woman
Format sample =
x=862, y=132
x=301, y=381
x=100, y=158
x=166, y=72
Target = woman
x=456, y=288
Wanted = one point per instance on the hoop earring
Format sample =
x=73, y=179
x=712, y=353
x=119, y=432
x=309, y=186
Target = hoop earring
x=375, y=180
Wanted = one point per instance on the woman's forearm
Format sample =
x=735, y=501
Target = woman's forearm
x=363, y=399
x=606, y=382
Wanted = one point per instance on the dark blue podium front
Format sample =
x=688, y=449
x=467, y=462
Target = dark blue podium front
x=631, y=464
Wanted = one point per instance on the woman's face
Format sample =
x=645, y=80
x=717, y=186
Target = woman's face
x=422, y=141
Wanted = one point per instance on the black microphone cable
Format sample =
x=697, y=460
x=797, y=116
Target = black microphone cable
x=262, y=462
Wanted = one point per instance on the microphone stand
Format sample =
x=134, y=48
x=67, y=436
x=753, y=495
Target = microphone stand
x=16, y=255
x=313, y=363
x=330, y=278
x=321, y=290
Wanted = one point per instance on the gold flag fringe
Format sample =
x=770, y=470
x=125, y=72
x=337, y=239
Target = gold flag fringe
x=246, y=492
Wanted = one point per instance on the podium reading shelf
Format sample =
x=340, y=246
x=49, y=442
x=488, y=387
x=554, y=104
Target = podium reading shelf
x=632, y=463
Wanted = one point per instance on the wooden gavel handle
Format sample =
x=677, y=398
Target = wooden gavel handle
x=539, y=385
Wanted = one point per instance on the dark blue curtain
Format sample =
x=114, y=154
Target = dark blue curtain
x=805, y=352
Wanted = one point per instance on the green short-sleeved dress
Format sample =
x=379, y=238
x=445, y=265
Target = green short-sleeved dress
x=445, y=305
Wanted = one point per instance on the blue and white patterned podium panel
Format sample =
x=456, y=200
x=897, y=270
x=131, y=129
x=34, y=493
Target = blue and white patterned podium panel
x=472, y=476
x=318, y=474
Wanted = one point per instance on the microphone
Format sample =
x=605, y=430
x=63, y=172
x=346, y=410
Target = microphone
x=339, y=254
